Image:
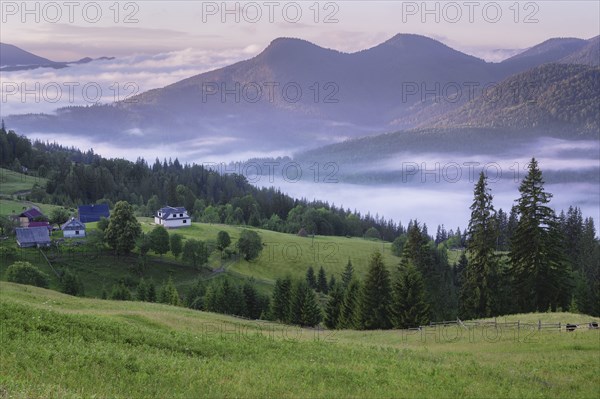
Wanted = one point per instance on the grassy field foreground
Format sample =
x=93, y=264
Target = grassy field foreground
x=54, y=345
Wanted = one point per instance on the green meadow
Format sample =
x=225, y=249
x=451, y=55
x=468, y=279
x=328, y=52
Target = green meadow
x=54, y=345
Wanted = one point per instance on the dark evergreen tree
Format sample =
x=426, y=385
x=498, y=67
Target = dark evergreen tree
x=311, y=280
x=304, y=309
x=349, y=315
x=142, y=291
x=169, y=294
x=409, y=306
x=539, y=269
x=334, y=306
x=347, y=275
x=479, y=290
x=195, y=296
x=253, y=308
x=332, y=283
x=376, y=296
x=280, y=306
x=151, y=296
x=322, y=285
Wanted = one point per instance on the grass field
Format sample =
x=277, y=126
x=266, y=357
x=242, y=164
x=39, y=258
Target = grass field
x=290, y=254
x=13, y=182
x=53, y=345
x=11, y=207
x=283, y=254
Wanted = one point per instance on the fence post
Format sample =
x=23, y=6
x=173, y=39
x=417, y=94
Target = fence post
x=519, y=325
x=539, y=325
x=559, y=326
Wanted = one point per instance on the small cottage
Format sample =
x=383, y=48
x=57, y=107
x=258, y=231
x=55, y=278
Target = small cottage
x=172, y=217
x=32, y=237
x=92, y=213
x=29, y=216
x=73, y=228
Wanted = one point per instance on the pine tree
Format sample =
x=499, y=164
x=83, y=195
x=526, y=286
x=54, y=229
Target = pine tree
x=311, y=280
x=348, y=274
x=322, y=281
x=169, y=294
x=334, y=306
x=332, y=283
x=589, y=299
x=252, y=303
x=409, y=306
x=280, y=306
x=142, y=291
x=375, y=300
x=539, y=270
x=479, y=289
x=304, y=309
x=349, y=314
x=151, y=296
x=195, y=296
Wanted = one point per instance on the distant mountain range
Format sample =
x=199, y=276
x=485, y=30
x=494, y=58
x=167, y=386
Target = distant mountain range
x=298, y=95
x=13, y=58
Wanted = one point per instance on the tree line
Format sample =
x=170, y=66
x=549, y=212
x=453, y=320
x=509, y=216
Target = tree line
x=75, y=177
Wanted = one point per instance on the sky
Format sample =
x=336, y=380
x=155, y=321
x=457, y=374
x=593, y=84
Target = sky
x=157, y=43
x=94, y=29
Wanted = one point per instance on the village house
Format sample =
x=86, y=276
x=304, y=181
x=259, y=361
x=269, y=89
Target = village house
x=73, y=228
x=32, y=237
x=29, y=216
x=172, y=217
x=92, y=213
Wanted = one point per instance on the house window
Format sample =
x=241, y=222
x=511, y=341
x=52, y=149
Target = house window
x=184, y=221
x=76, y=232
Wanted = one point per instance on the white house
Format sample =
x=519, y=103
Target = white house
x=73, y=228
x=171, y=217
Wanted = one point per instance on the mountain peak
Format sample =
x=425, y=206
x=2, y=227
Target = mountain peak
x=410, y=39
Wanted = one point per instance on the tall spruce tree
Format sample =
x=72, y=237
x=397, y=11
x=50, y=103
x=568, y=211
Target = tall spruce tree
x=311, y=280
x=539, y=271
x=479, y=289
x=375, y=299
x=280, y=306
x=334, y=306
x=349, y=314
x=347, y=274
x=304, y=309
x=409, y=306
x=322, y=281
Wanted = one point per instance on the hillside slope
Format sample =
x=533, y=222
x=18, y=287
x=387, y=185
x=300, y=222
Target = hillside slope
x=54, y=345
x=550, y=96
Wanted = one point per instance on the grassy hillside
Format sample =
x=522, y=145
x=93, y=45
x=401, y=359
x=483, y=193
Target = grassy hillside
x=288, y=253
x=13, y=182
x=10, y=207
x=282, y=254
x=55, y=345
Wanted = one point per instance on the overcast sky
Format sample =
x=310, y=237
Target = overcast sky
x=480, y=28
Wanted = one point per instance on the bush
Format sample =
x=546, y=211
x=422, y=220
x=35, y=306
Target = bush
x=26, y=273
x=372, y=233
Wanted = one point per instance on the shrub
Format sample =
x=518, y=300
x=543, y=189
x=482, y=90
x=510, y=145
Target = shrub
x=26, y=273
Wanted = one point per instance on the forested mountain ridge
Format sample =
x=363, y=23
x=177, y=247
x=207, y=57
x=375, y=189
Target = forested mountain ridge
x=75, y=177
x=549, y=96
x=295, y=94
